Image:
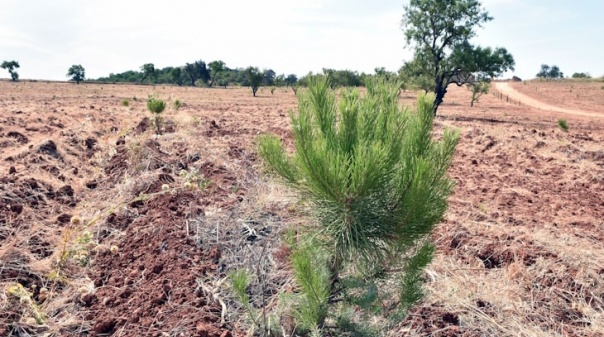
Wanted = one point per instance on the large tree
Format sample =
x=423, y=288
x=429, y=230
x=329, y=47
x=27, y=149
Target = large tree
x=440, y=31
x=76, y=73
x=291, y=79
x=197, y=71
x=10, y=66
x=148, y=70
x=550, y=72
x=254, y=77
x=216, y=67
x=176, y=75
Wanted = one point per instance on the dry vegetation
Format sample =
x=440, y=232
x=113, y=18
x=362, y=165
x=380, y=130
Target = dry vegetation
x=586, y=95
x=110, y=229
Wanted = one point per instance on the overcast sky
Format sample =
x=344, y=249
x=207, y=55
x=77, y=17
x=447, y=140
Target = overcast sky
x=111, y=36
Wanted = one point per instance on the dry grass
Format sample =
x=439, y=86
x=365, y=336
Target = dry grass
x=520, y=249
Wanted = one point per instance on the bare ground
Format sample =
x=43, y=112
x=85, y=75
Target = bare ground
x=507, y=89
x=519, y=251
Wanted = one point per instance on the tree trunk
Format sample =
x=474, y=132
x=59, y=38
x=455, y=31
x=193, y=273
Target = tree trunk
x=440, y=91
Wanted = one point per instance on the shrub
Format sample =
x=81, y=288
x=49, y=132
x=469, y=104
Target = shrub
x=563, y=125
x=156, y=106
x=125, y=102
x=177, y=104
x=377, y=184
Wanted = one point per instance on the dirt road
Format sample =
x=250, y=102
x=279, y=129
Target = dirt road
x=507, y=90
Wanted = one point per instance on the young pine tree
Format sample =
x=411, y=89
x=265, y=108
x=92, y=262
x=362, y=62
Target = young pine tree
x=377, y=183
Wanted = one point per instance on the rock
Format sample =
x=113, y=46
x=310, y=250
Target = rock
x=104, y=326
x=18, y=136
x=50, y=148
x=66, y=191
x=90, y=143
x=64, y=218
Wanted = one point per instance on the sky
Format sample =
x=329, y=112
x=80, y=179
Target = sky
x=113, y=36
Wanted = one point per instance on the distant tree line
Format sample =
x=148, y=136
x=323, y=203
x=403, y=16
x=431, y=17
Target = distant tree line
x=548, y=72
x=200, y=73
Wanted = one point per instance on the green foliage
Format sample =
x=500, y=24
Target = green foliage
x=268, y=77
x=216, y=67
x=291, y=79
x=548, y=72
x=563, y=125
x=11, y=66
x=343, y=78
x=254, y=77
x=125, y=102
x=377, y=184
x=439, y=31
x=581, y=75
x=312, y=275
x=410, y=291
x=77, y=73
x=413, y=72
x=478, y=88
x=241, y=281
x=177, y=104
x=149, y=71
x=197, y=72
x=176, y=75
x=156, y=107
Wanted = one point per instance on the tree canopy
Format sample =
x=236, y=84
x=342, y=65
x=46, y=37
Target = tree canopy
x=550, y=72
x=581, y=75
x=10, y=66
x=255, y=78
x=197, y=71
x=216, y=67
x=439, y=32
x=148, y=70
x=76, y=73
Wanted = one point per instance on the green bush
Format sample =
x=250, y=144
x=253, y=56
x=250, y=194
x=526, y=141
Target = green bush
x=563, y=125
x=125, y=102
x=156, y=106
x=177, y=104
x=376, y=180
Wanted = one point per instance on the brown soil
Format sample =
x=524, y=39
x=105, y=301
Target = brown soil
x=520, y=249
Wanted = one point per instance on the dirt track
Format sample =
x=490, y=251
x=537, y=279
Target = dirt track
x=506, y=89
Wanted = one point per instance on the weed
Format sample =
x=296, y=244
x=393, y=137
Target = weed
x=24, y=297
x=177, y=104
x=563, y=125
x=192, y=179
x=125, y=102
x=196, y=121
